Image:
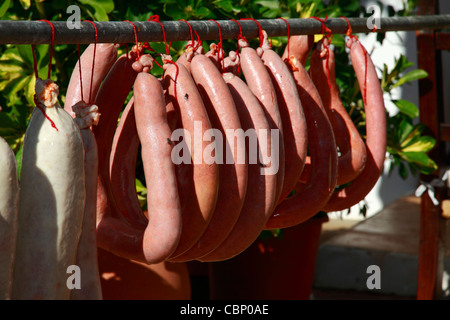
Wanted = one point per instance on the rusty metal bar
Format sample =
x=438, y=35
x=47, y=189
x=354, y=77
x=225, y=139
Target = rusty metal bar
x=39, y=32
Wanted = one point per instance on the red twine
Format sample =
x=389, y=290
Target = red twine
x=261, y=36
x=326, y=32
x=36, y=102
x=349, y=34
x=220, y=47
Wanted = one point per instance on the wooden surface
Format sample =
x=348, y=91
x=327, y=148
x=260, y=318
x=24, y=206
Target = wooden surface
x=432, y=226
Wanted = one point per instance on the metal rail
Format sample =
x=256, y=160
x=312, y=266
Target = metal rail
x=39, y=32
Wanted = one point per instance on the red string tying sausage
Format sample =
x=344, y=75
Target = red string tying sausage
x=220, y=47
x=326, y=32
x=240, y=36
x=135, y=39
x=155, y=18
x=288, y=36
x=51, y=49
x=79, y=70
x=349, y=32
x=90, y=100
x=191, y=33
x=36, y=102
x=261, y=35
x=199, y=41
x=350, y=35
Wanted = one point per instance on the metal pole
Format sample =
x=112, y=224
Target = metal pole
x=39, y=32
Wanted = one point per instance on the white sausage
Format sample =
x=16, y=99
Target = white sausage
x=9, y=197
x=51, y=200
x=87, y=260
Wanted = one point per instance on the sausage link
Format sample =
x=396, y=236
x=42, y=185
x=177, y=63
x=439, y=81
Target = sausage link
x=298, y=47
x=197, y=180
x=375, y=131
x=51, y=200
x=113, y=233
x=163, y=232
x=9, y=203
x=259, y=200
x=233, y=174
x=322, y=173
x=105, y=56
x=87, y=260
x=123, y=159
x=295, y=134
x=131, y=241
x=191, y=50
x=258, y=80
x=352, y=149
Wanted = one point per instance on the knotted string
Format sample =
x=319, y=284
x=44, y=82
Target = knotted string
x=351, y=36
x=220, y=47
x=36, y=73
x=326, y=33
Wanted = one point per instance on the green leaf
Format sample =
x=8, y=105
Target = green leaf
x=105, y=5
x=141, y=191
x=225, y=5
x=25, y=4
x=407, y=108
x=411, y=76
x=140, y=188
x=101, y=8
x=202, y=12
x=26, y=54
x=17, y=84
x=173, y=11
x=12, y=66
x=413, y=132
x=43, y=56
x=404, y=129
x=29, y=91
x=401, y=64
x=19, y=160
x=420, y=160
x=7, y=125
x=4, y=7
x=420, y=144
x=269, y=4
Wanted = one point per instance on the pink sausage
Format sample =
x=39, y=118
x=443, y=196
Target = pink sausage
x=352, y=149
x=375, y=131
x=225, y=119
x=299, y=47
x=259, y=201
x=197, y=180
x=124, y=152
x=295, y=135
x=163, y=231
x=322, y=174
x=113, y=233
x=258, y=80
x=105, y=56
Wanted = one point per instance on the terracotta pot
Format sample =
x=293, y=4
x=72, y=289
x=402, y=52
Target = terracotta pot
x=124, y=279
x=279, y=268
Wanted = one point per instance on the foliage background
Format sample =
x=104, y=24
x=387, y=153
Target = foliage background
x=407, y=146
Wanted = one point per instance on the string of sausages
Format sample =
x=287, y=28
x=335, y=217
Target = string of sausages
x=209, y=210
x=231, y=145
